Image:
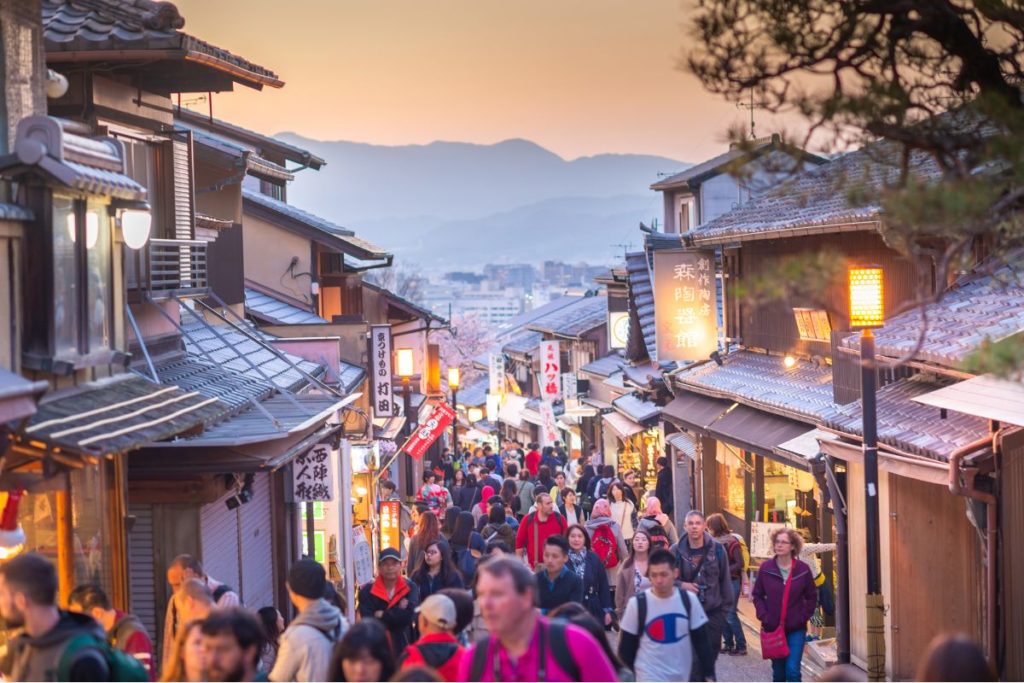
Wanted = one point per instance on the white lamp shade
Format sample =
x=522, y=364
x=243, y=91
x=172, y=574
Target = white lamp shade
x=92, y=229
x=135, y=227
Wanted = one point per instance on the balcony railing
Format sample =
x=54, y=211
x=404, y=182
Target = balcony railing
x=171, y=268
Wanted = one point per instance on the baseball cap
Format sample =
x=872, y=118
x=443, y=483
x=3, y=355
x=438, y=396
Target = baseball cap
x=389, y=553
x=439, y=610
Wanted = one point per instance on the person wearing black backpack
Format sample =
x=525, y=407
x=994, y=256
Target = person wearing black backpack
x=124, y=631
x=664, y=626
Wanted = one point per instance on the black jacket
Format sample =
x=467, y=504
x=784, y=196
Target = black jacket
x=597, y=596
x=663, y=490
x=711, y=572
x=468, y=497
x=567, y=588
x=398, y=620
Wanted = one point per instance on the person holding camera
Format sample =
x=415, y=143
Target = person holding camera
x=704, y=570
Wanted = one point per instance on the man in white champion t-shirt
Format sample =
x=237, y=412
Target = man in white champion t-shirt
x=661, y=633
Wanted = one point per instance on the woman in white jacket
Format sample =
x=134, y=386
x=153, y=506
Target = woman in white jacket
x=623, y=509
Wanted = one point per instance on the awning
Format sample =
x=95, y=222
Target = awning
x=117, y=415
x=922, y=469
x=637, y=409
x=277, y=311
x=805, y=446
x=388, y=427
x=511, y=412
x=693, y=410
x=599, y=404
x=533, y=417
x=683, y=442
x=987, y=396
x=759, y=432
x=622, y=425
x=614, y=381
x=18, y=396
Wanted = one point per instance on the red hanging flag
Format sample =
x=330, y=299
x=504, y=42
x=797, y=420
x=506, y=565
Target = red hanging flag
x=428, y=432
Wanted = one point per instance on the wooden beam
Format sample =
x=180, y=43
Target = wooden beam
x=65, y=547
x=198, y=490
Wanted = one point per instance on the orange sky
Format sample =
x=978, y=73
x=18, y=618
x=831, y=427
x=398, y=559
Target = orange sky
x=579, y=77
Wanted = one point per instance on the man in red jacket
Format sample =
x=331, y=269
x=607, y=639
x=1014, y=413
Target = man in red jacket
x=437, y=647
x=532, y=460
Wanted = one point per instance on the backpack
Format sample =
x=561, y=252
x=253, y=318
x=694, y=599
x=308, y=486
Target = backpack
x=732, y=545
x=603, y=545
x=553, y=636
x=122, y=666
x=744, y=551
x=641, y=608
x=658, y=536
x=435, y=655
x=466, y=564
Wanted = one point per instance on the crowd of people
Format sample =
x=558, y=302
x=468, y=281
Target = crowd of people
x=517, y=565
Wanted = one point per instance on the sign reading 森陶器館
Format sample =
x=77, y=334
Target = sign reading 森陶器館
x=549, y=430
x=550, y=371
x=685, y=315
x=429, y=430
x=311, y=475
x=496, y=375
x=380, y=369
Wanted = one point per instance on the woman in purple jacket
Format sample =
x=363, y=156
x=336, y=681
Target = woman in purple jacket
x=803, y=598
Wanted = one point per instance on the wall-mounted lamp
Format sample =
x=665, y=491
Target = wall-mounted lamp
x=474, y=415
x=406, y=367
x=453, y=378
x=136, y=221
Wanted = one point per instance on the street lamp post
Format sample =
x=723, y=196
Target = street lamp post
x=453, y=383
x=866, y=313
x=405, y=371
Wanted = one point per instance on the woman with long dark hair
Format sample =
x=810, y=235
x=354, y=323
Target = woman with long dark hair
x=363, y=654
x=458, y=482
x=632, y=577
x=273, y=626
x=469, y=495
x=497, y=527
x=510, y=497
x=590, y=570
x=427, y=531
x=623, y=509
x=467, y=546
x=437, y=570
x=448, y=523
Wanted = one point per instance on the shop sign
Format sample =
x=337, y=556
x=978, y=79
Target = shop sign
x=569, y=386
x=496, y=374
x=311, y=475
x=685, y=316
x=550, y=369
x=429, y=430
x=549, y=428
x=761, y=538
x=618, y=329
x=380, y=354
x=391, y=524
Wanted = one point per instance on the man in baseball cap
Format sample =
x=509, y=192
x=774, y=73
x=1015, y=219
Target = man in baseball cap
x=437, y=647
x=391, y=598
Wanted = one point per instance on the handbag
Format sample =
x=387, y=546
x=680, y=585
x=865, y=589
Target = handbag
x=773, y=643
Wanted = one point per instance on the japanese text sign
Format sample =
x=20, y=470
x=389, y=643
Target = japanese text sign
x=685, y=315
x=550, y=371
x=311, y=475
x=390, y=524
x=380, y=368
x=429, y=431
x=549, y=430
x=496, y=375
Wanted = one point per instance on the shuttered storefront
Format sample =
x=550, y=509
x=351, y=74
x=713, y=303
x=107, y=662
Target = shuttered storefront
x=219, y=533
x=1012, y=553
x=142, y=576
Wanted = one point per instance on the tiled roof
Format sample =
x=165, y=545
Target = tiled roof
x=237, y=352
x=404, y=302
x=524, y=342
x=698, y=170
x=13, y=212
x=983, y=307
x=130, y=26
x=331, y=235
x=910, y=426
x=350, y=376
x=816, y=198
x=684, y=443
x=191, y=373
x=605, y=367
x=635, y=408
x=279, y=312
x=574, y=320
x=803, y=392
x=475, y=393
x=92, y=165
x=255, y=164
x=232, y=131
x=512, y=325
x=641, y=299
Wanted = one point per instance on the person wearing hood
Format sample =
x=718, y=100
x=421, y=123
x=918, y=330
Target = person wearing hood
x=654, y=517
x=600, y=516
x=306, y=645
x=43, y=650
x=498, y=528
x=480, y=509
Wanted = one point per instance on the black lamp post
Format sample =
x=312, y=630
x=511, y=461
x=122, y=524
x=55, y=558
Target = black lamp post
x=866, y=313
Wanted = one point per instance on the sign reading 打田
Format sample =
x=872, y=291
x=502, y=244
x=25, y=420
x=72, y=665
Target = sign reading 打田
x=311, y=475
x=685, y=316
x=550, y=371
x=380, y=369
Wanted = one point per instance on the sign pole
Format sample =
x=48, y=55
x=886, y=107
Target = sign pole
x=310, y=531
x=346, y=532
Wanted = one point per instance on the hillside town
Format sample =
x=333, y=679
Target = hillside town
x=240, y=441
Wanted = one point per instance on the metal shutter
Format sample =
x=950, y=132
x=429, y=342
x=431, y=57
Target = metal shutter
x=219, y=531
x=257, y=546
x=142, y=575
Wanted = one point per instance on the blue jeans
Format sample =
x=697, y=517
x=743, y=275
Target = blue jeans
x=733, y=633
x=788, y=669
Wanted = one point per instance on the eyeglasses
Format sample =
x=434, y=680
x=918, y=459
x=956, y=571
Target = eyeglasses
x=782, y=541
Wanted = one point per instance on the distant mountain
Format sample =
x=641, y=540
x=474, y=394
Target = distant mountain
x=461, y=204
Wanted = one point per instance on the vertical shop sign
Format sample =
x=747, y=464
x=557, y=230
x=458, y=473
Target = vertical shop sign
x=390, y=524
x=496, y=375
x=311, y=475
x=550, y=371
x=685, y=315
x=380, y=362
x=549, y=430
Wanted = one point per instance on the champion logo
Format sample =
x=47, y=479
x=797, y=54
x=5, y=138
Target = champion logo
x=668, y=628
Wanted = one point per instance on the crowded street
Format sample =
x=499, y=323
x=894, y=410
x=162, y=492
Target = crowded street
x=524, y=341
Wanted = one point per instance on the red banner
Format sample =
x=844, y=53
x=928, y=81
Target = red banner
x=428, y=432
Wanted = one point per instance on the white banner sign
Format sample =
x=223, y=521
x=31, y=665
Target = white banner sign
x=550, y=372
x=311, y=475
x=380, y=365
x=549, y=430
x=496, y=375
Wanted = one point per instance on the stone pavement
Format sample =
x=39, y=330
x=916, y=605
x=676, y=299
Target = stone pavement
x=752, y=667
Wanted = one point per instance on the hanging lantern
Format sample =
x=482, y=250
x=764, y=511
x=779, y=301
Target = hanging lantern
x=12, y=536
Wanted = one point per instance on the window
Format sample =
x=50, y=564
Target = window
x=813, y=324
x=684, y=215
x=81, y=277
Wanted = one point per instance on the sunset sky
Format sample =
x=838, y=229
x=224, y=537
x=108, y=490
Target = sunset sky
x=579, y=77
